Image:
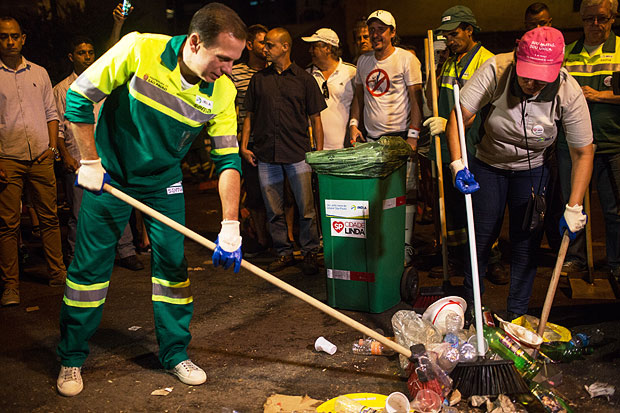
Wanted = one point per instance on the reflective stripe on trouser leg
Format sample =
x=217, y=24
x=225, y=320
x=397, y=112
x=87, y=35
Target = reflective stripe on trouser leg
x=100, y=224
x=172, y=298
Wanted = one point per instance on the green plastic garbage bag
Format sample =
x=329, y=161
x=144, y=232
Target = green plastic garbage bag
x=365, y=160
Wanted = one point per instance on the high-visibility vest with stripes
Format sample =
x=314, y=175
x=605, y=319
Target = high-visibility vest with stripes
x=596, y=71
x=450, y=72
x=148, y=121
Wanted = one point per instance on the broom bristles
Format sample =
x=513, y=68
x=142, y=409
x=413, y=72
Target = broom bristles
x=488, y=378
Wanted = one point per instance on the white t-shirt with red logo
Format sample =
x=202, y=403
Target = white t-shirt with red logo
x=386, y=102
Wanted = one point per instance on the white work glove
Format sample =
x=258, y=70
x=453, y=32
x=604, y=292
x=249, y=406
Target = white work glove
x=228, y=246
x=91, y=176
x=437, y=125
x=229, y=236
x=573, y=220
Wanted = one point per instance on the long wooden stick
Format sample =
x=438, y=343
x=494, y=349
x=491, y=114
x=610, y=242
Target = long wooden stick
x=553, y=284
x=442, y=199
x=590, y=258
x=258, y=271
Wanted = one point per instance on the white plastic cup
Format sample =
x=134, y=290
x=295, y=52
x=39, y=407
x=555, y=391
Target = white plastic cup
x=397, y=402
x=322, y=344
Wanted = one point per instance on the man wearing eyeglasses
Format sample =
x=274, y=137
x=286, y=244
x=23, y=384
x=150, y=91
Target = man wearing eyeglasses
x=335, y=78
x=592, y=60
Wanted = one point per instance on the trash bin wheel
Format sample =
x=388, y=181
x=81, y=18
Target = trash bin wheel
x=409, y=285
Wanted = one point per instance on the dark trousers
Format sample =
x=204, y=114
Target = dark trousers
x=499, y=187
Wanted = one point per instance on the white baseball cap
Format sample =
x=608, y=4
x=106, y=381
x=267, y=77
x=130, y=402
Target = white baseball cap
x=384, y=16
x=323, y=35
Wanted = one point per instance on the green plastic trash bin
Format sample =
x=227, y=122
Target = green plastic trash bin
x=363, y=221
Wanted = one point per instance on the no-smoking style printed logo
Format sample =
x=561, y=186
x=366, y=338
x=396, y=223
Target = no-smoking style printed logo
x=378, y=82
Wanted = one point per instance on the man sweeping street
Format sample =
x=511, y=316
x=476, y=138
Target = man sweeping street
x=161, y=92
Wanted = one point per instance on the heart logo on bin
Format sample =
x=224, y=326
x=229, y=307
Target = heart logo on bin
x=338, y=226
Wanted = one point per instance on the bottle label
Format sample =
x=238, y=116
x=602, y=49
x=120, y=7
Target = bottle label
x=513, y=346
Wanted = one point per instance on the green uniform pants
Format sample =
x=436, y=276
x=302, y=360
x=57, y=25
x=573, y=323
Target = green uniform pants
x=100, y=224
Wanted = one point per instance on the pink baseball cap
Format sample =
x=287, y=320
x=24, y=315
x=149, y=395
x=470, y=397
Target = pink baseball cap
x=540, y=54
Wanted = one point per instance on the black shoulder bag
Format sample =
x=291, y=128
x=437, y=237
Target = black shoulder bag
x=535, y=212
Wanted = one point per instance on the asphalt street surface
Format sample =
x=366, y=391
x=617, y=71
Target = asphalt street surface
x=253, y=339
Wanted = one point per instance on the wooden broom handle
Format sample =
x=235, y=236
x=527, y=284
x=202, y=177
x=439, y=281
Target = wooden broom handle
x=553, y=284
x=442, y=199
x=258, y=271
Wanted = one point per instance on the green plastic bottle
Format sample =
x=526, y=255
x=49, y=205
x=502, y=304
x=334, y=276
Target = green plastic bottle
x=564, y=351
x=509, y=349
x=550, y=400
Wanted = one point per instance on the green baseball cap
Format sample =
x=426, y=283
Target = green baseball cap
x=454, y=16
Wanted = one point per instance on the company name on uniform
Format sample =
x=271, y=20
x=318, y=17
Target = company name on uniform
x=156, y=83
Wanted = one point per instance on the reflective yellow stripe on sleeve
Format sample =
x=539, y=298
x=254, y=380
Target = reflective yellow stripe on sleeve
x=171, y=292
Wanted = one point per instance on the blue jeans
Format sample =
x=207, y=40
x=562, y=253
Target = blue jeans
x=271, y=176
x=499, y=187
x=577, y=247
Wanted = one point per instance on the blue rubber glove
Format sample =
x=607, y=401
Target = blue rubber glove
x=463, y=179
x=573, y=221
x=91, y=176
x=228, y=246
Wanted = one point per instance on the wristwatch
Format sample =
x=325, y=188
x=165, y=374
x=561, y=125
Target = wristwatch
x=56, y=153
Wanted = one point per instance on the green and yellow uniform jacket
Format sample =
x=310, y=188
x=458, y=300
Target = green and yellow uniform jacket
x=596, y=71
x=148, y=122
x=456, y=71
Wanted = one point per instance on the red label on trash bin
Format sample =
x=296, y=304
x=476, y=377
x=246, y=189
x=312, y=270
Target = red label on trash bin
x=394, y=202
x=351, y=228
x=351, y=275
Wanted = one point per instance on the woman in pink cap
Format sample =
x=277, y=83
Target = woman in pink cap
x=523, y=98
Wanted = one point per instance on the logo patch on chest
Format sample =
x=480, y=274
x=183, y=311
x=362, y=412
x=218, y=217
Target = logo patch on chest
x=205, y=103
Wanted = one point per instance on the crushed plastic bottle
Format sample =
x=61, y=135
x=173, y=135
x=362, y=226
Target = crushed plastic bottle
x=370, y=347
x=424, y=374
x=468, y=352
x=453, y=322
x=451, y=339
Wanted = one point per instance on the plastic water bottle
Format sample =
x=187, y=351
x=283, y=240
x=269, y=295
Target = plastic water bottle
x=580, y=340
x=451, y=339
x=370, y=347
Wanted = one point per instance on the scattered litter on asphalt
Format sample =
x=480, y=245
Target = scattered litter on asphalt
x=501, y=405
x=31, y=309
x=476, y=401
x=280, y=403
x=455, y=398
x=134, y=328
x=322, y=344
x=600, y=389
x=162, y=392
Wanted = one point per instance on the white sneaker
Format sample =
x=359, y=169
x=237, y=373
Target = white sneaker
x=189, y=373
x=69, y=381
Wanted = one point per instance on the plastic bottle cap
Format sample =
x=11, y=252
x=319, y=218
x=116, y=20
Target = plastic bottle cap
x=397, y=402
x=322, y=344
